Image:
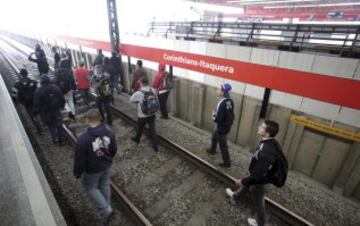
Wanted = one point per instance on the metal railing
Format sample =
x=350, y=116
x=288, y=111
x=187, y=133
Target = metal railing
x=338, y=39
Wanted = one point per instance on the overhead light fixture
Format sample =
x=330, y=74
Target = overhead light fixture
x=312, y=5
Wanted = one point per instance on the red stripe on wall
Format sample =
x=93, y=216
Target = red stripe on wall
x=339, y=91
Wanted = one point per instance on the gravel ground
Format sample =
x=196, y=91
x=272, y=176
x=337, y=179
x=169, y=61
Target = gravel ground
x=301, y=195
x=57, y=163
x=166, y=188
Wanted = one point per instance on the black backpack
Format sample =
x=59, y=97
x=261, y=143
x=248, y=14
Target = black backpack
x=150, y=104
x=53, y=99
x=64, y=81
x=168, y=81
x=104, y=89
x=278, y=173
x=230, y=116
x=26, y=91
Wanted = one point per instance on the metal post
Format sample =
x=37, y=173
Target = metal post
x=265, y=103
x=113, y=26
x=115, y=34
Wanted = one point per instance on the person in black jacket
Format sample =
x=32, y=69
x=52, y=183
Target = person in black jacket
x=95, y=151
x=40, y=60
x=116, y=78
x=99, y=58
x=223, y=116
x=261, y=163
x=48, y=100
x=23, y=92
x=56, y=58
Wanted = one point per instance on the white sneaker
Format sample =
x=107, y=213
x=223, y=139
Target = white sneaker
x=252, y=222
x=230, y=194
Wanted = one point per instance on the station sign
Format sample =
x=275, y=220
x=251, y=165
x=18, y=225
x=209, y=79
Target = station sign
x=346, y=134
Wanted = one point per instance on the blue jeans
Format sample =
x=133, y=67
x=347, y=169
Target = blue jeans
x=258, y=195
x=115, y=83
x=53, y=120
x=97, y=187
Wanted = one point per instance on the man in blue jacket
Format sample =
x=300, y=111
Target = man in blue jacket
x=261, y=163
x=223, y=116
x=95, y=151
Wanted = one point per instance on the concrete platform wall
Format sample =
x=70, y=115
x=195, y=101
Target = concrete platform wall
x=330, y=160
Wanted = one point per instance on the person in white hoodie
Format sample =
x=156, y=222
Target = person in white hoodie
x=147, y=106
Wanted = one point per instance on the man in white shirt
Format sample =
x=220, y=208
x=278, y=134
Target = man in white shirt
x=146, y=111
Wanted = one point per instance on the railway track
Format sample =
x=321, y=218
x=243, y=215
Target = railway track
x=181, y=181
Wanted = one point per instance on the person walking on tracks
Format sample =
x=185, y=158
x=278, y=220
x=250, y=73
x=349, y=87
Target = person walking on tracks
x=83, y=81
x=102, y=86
x=147, y=107
x=66, y=82
x=223, y=116
x=138, y=74
x=268, y=165
x=163, y=84
x=48, y=101
x=95, y=151
x=40, y=60
x=23, y=92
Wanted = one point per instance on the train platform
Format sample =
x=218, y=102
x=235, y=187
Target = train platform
x=26, y=197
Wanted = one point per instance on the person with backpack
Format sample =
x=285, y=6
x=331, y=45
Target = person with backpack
x=48, y=101
x=39, y=59
x=138, y=74
x=223, y=116
x=102, y=86
x=66, y=61
x=147, y=105
x=66, y=82
x=94, y=154
x=163, y=91
x=268, y=165
x=83, y=82
x=23, y=92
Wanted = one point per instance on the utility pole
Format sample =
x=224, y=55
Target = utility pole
x=113, y=26
x=115, y=34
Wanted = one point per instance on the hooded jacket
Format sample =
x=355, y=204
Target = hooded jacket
x=42, y=103
x=158, y=82
x=261, y=162
x=95, y=150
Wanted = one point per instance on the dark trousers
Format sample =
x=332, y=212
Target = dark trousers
x=222, y=140
x=54, y=124
x=257, y=193
x=140, y=128
x=162, y=100
x=85, y=95
x=37, y=124
x=103, y=103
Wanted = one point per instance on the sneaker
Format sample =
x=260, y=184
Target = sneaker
x=156, y=148
x=211, y=152
x=135, y=140
x=230, y=194
x=71, y=115
x=106, y=216
x=223, y=165
x=252, y=222
x=164, y=117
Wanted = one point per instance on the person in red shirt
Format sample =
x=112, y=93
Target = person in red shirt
x=83, y=82
x=163, y=93
x=138, y=74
